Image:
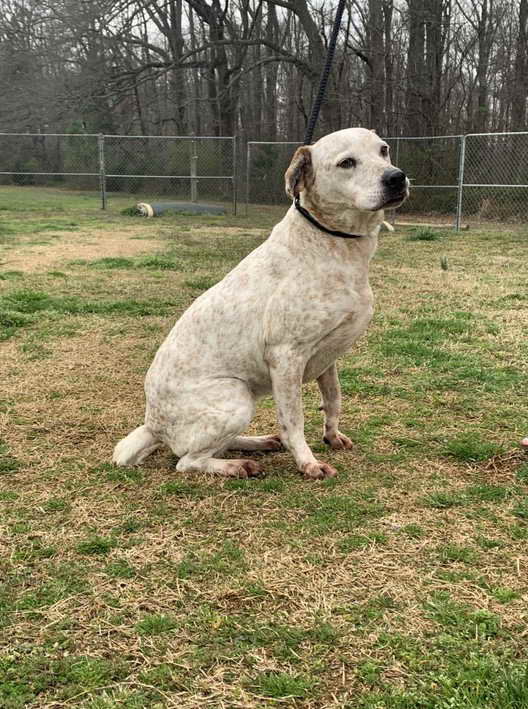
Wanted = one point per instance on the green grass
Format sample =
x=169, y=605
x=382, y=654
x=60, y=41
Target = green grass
x=471, y=448
x=96, y=545
x=459, y=619
x=32, y=302
x=155, y=624
x=397, y=585
x=283, y=685
x=121, y=569
x=425, y=234
x=161, y=262
x=448, y=553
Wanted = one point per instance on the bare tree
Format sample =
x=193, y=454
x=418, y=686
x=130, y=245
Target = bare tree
x=415, y=67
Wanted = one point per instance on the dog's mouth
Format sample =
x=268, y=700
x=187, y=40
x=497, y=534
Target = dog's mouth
x=394, y=200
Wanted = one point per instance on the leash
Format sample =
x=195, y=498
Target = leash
x=325, y=73
x=316, y=108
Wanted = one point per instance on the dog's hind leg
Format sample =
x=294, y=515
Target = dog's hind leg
x=133, y=449
x=331, y=395
x=208, y=423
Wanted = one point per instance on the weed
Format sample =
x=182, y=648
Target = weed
x=121, y=569
x=425, y=234
x=369, y=672
x=112, y=262
x=282, y=685
x=521, y=509
x=159, y=262
x=180, y=488
x=200, y=283
x=453, y=552
x=56, y=505
x=121, y=475
x=155, y=624
x=414, y=531
x=487, y=543
x=505, y=595
x=522, y=473
x=96, y=545
x=444, y=500
x=487, y=493
x=470, y=448
x=11, y=275
x=9, y=464
x=130, y=525
x=354, y=541
x=459, y=618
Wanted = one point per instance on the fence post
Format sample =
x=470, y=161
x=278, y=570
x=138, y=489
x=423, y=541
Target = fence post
x=461, y=165
x=248, y=166
x=102, y=172
x=235, y=174
x=194, y=172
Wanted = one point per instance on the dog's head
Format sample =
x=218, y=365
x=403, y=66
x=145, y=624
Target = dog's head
x=349, y=169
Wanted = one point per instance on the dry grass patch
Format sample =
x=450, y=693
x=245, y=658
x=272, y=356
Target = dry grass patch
x=69, y=246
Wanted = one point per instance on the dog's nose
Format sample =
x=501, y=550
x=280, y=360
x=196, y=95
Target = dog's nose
x=394, y=178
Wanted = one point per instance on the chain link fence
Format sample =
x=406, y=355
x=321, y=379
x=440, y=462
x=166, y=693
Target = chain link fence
x=124, y=169
x=432, y=165
x=52, y=160
x=475, y=179
x=495, y=177
x=266, y=164
x=181, y=168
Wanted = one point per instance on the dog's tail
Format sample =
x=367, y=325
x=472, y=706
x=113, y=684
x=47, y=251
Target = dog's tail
x=133, y=449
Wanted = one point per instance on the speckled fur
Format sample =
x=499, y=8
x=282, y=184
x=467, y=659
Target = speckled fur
x=278, y=319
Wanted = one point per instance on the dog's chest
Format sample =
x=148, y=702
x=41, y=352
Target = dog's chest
x=339, y=340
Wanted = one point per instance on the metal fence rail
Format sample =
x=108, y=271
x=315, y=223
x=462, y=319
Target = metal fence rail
x=141, y=167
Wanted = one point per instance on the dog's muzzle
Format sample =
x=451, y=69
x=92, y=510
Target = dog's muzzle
x=395, y=183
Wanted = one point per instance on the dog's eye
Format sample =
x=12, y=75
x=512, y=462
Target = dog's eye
x=384, y=150
x=347, y=163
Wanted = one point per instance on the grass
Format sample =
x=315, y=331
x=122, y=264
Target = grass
x=425, y=234
x=400, y=584
x=155, y=624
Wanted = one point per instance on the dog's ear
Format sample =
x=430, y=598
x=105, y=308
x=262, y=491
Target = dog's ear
x=373, y=130
x=299, y=176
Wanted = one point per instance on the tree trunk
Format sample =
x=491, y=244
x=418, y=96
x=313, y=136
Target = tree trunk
x=375, y=53
x=520, y=87
x=415, y=69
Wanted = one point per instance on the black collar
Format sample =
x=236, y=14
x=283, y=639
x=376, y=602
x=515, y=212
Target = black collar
x=306, y=214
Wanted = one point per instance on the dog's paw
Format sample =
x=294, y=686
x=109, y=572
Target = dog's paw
x=318, y=471
x=243, y=468
x=338, y=442
x=273, y=443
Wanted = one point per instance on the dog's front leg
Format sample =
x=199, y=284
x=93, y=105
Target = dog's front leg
x=331, y=395
x=286, y=370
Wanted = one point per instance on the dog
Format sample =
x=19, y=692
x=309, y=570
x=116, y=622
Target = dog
x=278, y=319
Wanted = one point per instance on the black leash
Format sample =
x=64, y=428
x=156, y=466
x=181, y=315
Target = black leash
x=306, y=214
x=325, y=73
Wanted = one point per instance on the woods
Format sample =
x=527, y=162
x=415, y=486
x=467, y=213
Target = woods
x=251, y=67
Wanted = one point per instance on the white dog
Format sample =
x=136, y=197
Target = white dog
x=280, y=318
